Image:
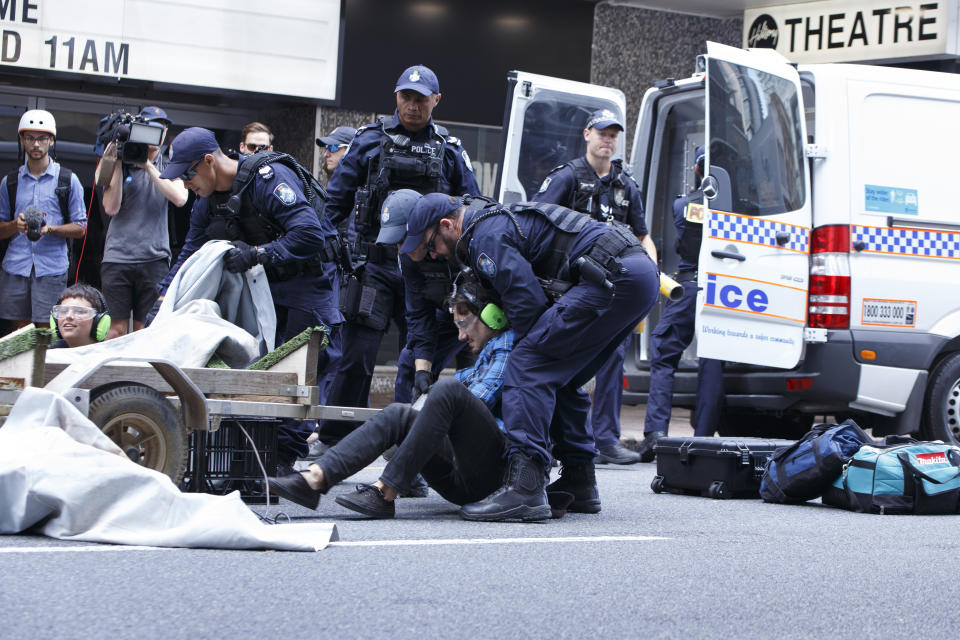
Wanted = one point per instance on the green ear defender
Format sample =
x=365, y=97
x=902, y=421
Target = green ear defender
x=493, y=317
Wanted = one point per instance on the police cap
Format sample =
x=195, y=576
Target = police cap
x=393, y=215
x=427, y=211
x=603, y=118
x=420, y=79
x=188, y=147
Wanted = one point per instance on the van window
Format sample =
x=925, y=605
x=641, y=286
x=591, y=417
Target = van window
x=553, y=124
x=756, y=139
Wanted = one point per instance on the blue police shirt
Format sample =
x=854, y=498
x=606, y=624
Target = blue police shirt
x=278, y=195
x=48, y=255
x=683, y=227
x=560, y=186
x=351, y=173
x=498, y=253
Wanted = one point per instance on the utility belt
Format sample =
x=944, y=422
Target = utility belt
x=597, y=264
x=377, y=253
x=686, y=275
x=332, y=251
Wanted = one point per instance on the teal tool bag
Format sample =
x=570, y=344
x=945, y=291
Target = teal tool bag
x=903, y=477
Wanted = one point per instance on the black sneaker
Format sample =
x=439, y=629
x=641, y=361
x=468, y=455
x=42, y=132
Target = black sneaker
x=369, y=501
x=294, y=488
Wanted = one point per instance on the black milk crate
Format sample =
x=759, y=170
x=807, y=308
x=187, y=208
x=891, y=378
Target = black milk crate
x=224, y=461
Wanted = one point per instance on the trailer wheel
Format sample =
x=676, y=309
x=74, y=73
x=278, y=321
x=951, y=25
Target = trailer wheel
x=941, y=408
x=145, y=425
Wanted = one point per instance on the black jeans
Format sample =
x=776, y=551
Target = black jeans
x=454, y=442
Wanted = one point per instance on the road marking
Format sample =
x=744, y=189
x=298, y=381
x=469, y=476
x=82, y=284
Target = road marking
x=83, y=548
x=469, y=541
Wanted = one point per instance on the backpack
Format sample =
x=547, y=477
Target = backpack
x=62, y=191
x=806, y=469
x=904, y=477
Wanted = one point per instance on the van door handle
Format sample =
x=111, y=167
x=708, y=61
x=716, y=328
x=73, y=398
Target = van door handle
x=728, y=254
x=783, y=237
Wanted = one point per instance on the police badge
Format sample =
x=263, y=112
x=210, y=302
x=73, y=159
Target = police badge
x=285, y=194
x=486, y=265
x=415, y=76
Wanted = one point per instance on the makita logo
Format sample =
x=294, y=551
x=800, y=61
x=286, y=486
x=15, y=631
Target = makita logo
x=938, y=457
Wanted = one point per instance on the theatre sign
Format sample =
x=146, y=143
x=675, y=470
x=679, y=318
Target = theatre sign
x=845, y=31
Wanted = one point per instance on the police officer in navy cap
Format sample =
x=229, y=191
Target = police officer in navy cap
x=334, y=146
x=598, y=185
x=405, y=150
x=573, y=289
x=272, y=211
x=675, y=330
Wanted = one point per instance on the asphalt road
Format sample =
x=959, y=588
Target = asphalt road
x=651, y=566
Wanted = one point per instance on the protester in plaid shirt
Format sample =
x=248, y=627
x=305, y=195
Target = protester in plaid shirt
x=455, y=440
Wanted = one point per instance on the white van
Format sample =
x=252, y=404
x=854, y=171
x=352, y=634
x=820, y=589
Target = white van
x=830, y=267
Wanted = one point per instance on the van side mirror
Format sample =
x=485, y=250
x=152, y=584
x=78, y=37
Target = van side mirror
x=709, y=186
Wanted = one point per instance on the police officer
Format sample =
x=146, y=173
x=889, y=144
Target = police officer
x=406, y=150
x=598, y=185
x=525, y=251
x=431, y=334
x=674, y=332
x=266, y=205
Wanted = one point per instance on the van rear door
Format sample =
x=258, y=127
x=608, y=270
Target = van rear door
x=544, y=121
x=754, y=259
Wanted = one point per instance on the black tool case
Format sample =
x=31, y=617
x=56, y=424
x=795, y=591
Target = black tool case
x=713, y=467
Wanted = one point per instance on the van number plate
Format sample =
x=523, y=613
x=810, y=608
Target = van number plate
x=889, y=313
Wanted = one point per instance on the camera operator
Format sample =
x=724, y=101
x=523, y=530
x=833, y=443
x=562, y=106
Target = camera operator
x=41, y=204
x=136, y=252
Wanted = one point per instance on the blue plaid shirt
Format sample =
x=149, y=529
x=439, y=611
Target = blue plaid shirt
x=485, y=377
x=48, y=255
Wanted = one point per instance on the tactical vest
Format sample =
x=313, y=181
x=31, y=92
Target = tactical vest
x=237, y=219
x=554, y=264
x=588, y=191
x=437, y=281
x=401, y=164
x=690, y=235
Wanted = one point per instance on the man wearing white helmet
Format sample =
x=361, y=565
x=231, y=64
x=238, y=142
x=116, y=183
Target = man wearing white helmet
x=35, y=266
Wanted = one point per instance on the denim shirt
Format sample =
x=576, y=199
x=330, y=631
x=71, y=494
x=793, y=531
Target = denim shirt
x=48, y=255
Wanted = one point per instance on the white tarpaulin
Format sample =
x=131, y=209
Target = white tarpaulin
x=243, y=299
x=61, y=477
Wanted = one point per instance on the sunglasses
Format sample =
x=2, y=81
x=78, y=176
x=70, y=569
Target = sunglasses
x=191, y=171
x=80, y=313
x=333, y=148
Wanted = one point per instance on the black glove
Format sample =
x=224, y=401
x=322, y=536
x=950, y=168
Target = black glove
x=421, y=383
x=240, y=258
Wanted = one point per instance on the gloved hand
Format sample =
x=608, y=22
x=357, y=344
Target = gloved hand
x=422, y=380
x=240, y=258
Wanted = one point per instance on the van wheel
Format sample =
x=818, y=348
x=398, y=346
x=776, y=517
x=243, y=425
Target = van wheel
x=753, y=424
x=144, y=425
x=941, y=407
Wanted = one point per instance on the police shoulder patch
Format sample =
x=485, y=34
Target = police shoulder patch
x=546, y=183
x=466, y=160
x=285, y=193
x=266, y=172
x=486, y=265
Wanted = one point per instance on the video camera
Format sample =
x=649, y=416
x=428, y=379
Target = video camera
x=133, y=134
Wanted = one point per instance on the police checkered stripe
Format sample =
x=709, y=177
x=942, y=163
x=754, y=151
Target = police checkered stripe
x=908, y=242
x=727, y=226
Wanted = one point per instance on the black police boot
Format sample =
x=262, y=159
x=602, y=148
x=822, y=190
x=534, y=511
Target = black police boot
x=581, y=481
x=647, y=454
x=522, y=496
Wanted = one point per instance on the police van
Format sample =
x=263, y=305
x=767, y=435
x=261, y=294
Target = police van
x=830, y=266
